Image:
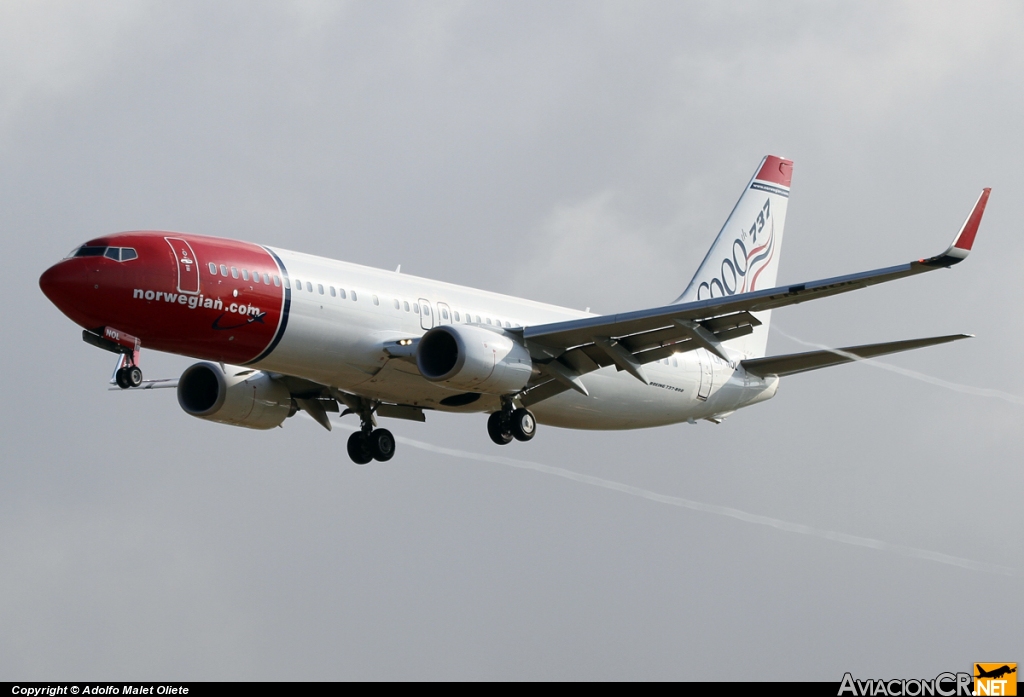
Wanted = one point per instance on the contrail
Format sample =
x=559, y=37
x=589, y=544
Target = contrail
x=956, y=387
x=712, y=508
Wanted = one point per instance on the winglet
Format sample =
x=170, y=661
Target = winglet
x=964, y=239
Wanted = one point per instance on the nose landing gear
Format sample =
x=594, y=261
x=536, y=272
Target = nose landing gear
x=127, y=373
x=128, y=376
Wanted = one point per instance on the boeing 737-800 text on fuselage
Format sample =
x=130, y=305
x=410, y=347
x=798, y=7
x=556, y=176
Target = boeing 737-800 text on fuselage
x=279, y=331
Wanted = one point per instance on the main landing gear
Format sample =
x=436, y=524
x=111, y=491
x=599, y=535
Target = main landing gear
x=509, y=423
x=376, y=444
x=368, y=443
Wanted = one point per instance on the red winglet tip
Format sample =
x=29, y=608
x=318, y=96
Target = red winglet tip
x=965, y=240
x=776, y=170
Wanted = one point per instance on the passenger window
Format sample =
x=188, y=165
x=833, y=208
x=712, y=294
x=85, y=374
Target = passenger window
x=457, y=316
x=266, y=278
x=397, y=305
x=298, y=284
x=341, y=292
x=277, y=280
x=354, y=298
x=113, y=253
x=674, y=363
x=406, y=305
x=245, y=274
x=507, y=325
x=488, y=320
x=416, y=308
x=256, y=276
x=478, y=319
x=426, y=310
x=320, y=288
x=213, y=268
x=234, y=272
x=127, y=254
x=334, y=293
x=309, y=286
x=223, y=271
x=375, y=301
x=444, y=313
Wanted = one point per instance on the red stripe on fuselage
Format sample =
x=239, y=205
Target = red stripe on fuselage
x=223, y=318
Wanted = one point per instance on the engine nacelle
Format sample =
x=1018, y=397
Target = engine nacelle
x=473, y=359
x=236, y=396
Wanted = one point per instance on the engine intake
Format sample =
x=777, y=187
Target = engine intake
x=236, y=396
x=475, y=359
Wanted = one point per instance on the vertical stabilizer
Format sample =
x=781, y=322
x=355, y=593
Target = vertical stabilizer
x=745, y=255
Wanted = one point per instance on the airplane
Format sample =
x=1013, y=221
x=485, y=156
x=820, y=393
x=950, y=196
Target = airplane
x=996, y=673
x=277, y=331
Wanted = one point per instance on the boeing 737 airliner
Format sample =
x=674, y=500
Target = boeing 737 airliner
x=278, y=331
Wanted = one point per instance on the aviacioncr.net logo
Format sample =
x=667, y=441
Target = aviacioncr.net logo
x=943, y=685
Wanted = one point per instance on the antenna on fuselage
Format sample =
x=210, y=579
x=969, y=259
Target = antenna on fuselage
x=398, y=269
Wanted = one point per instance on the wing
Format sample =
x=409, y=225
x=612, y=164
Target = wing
x=566, y=350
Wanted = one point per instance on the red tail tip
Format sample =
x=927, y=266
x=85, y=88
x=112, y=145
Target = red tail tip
x=776, y=170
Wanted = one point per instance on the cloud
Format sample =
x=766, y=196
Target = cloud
x=55, y=49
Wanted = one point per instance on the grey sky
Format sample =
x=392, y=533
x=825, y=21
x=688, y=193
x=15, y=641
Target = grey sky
x=579, y=153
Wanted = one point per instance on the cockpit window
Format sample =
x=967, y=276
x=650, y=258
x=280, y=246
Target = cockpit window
x=115, y=253
x=86, y=251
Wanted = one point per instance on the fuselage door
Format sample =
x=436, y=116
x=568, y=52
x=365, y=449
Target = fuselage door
x=444, y=314
x=188, y=265
x=426, y=314
x=707, y=374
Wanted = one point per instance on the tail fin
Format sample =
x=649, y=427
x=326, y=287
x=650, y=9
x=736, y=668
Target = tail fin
x=745, y=255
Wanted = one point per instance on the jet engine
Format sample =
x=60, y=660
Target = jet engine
x=234, y=395
x=473, y=359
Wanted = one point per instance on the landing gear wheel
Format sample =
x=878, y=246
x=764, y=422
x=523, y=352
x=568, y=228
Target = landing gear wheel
x=498, y=430
x=381, y=445
x=522, y=425
x=359, y=448
x=121, y=378
x=133, y=376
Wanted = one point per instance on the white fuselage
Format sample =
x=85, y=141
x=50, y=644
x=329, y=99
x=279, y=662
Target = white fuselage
x=337, y=341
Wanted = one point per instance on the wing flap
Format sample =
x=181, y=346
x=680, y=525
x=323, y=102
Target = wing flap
x=793, y=363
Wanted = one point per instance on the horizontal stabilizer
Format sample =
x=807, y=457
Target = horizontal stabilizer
x=163, y=383
x=793, y=363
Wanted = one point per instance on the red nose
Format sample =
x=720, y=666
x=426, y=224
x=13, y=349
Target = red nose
x=64, y=284
x=60, y=282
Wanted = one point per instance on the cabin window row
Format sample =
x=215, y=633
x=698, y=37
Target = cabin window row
x=407, y=306
x=334, y=292
x=244, y=274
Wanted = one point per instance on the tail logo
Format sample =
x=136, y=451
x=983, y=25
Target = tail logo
x=739, y=272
